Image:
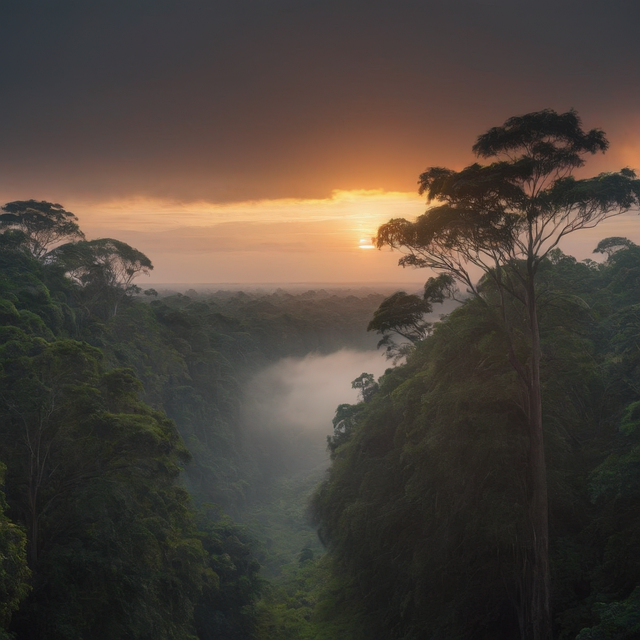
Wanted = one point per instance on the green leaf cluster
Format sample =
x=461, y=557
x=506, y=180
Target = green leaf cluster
x=98, y=537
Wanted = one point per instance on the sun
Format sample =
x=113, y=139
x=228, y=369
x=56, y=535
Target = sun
x=366, y=243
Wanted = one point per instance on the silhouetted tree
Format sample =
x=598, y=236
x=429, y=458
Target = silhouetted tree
x=504, y=218
x=404, y=314
x=612, y=245
x=43, y=224
x=105, y=268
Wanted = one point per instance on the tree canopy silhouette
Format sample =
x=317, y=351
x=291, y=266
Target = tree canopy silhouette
x=42, y=224
x=105, y=268
x=404, y=314
x=504, y=218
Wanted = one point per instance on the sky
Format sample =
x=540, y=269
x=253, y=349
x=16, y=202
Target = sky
x=247, y=141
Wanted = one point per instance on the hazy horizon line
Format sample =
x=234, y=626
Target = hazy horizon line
x=390, y=283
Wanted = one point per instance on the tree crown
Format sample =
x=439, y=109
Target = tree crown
x=518, y=207
x=43, y=224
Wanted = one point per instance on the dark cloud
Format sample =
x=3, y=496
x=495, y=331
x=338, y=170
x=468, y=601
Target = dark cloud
x=242, y=99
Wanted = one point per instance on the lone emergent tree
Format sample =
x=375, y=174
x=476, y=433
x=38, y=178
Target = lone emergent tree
x=503, y=219
x=43, y=225
x=105, y=268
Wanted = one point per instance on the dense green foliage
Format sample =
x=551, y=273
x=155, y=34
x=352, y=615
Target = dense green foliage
x=124, y=458
x=423, y=509
x=14, y=571
x=92, y=478
x=504, y=218
x=196, y=354
x=111, y=407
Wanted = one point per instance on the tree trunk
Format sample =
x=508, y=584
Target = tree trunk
x=33, y=533
x=537, y=575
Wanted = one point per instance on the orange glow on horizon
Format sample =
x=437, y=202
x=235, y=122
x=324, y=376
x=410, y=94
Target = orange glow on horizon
x=367, y=208
x=366, y=243
x=312, y=240
x=256, y=241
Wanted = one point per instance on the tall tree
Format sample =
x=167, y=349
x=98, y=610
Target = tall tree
x=43, y=224
x=93, y=473
x=106, y=268
x=503, y=219
x=405, y=314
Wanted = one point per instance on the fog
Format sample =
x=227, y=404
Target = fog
x=290, y=405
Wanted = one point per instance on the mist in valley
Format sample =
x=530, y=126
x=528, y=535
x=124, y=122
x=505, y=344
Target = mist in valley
x=290, y=404
x=286, y=419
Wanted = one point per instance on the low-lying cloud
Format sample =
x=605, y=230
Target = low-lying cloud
x=290, y=404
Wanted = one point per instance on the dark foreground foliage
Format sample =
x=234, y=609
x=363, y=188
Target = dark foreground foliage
x=98, y=537
x=423, y=508
x=122, y=454
x=121, y=449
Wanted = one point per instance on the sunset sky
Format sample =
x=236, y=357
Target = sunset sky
x=265, y=140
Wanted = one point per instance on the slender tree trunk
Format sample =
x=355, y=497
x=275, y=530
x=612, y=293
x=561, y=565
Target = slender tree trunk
x=34, y=443
x=32, y=548
x=538, y=618
x=32, y=537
